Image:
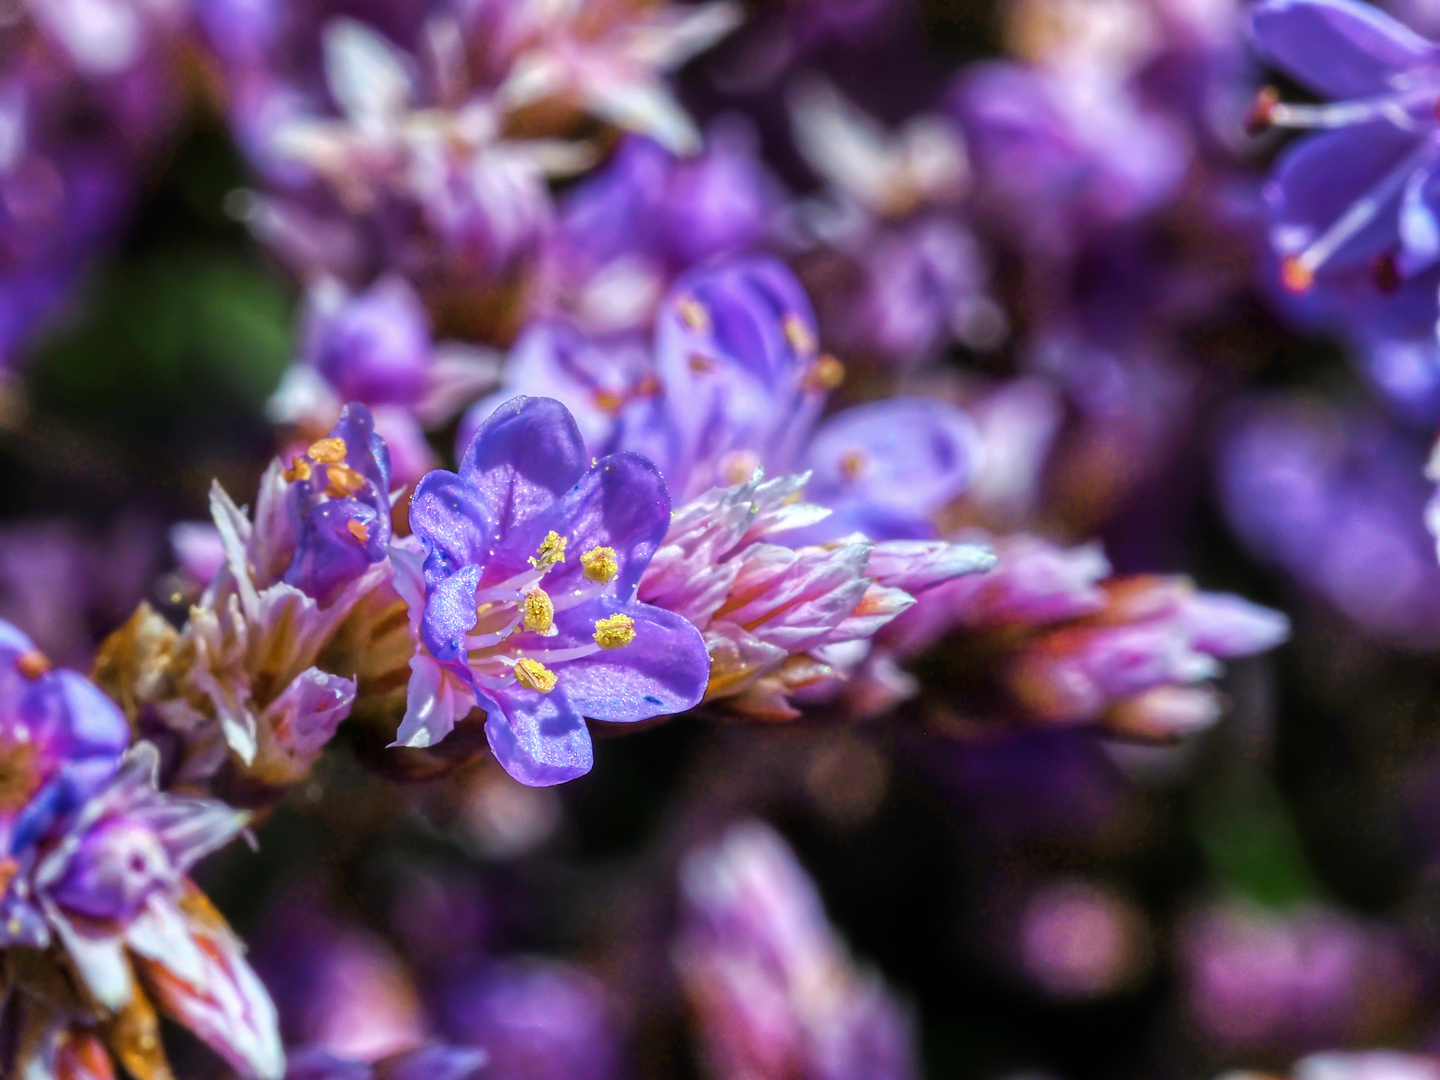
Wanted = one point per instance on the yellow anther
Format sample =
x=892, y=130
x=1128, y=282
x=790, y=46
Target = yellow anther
x=693, y=313
x=539, y=611
x=608, y=401
x=359, y=530
x=341, y=480
x=328, y=451
x=799, y=335
x=299, y=470
x=33, y=664
x=825, y=374
x=599, y=565
x=853, y=465
x=534, y=675
x=552, y=551
x=614, y=632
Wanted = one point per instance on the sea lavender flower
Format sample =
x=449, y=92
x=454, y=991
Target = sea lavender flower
x=433, y=1061
x=738, y=382
x=539, y=1019
x=1290, y=981
x=774, y=990
x=1357, y=193
x=780, y=618
x=1363, y=1065
x=375, y=348
x=525, y=594
x=101, y=880
x=1336, y=499
x=1080, y=939
x=896, y=272
x=1059, y=642
x=309, y=571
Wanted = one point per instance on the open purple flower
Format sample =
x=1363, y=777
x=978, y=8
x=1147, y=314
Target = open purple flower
x=1363, y=190
x=530, y=571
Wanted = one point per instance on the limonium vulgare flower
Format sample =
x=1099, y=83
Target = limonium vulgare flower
x=1359, y=192
x=99, y=923
x=434, y=1061
x=525, y=596
x=241, y=677
x=738, y=381
x=774, y=990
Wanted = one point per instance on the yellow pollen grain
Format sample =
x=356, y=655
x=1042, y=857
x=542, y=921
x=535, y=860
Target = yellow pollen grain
x=359, y=530
x=615, y=632
x=799, y=335
x=600, y=565
x=341, y=480
x=299, y=470
x=825, y=374
x=33, y=664
x=328, y=451
x=534, y=675
x=693, y=313
x=552, y=551
x=539, y=611
x=853, y=465
x=608, y=401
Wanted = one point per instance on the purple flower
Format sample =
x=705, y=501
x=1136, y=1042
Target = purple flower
x=104, y=880
x=339, y=501
x=538, y=1019
x=1360, y=192
x=531, y=565
x=774, y=990
x=434, y=1061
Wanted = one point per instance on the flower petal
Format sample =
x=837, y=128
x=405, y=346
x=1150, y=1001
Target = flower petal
x=455, y=522
x=1338, y=48
x=523, y=457
x=450, y=613
x=539, y=739
x=662, y=672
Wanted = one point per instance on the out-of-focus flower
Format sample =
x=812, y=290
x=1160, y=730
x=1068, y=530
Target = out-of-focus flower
x=309, y=574
x=526, y=596
x=538, y=1019
x=434, y=1061
x=1082, y=939
x=375, y=348
x=893, y=266
x=1058, y=641
x=1337, y=501
x=1359, y=193
x=1357, y=1065
x=625, y=233
x=94, y=879
x=1290, y=981
x=775, y=993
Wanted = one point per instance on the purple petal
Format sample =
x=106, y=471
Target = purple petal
x=455, y=521
x=662, y=672
x=523, y=457
x=539, y=739
x=450, y=613
x=620, y=503
x=1338, y=48
x=365, y=451
x=1321, y=177
x=906, y=456
x=376, y=346
x=328, y=556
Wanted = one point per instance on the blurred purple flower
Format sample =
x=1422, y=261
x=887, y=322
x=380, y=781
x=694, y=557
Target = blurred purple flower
x=531, y=560
x=774, y=990
x=433, y=1061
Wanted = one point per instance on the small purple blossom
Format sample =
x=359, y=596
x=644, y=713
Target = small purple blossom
x=531, y=565
x=433, y=1061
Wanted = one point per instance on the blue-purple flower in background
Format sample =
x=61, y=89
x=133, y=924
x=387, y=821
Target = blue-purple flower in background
x=526, y=596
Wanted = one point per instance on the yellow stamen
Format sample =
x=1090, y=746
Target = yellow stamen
x=341, y=480
x=299, y=470
x=539, y=611
x=534, y=675
x=700, y=365
x=552, y=551
x=800, y=336
x=359, y=530
x=608, y=401
x=825, y=374
x=853, y=465
x=693, y=313
x=599, y=565
x=615, y=632
x=33, y=664
x=1295, y=276
x=328, y=451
